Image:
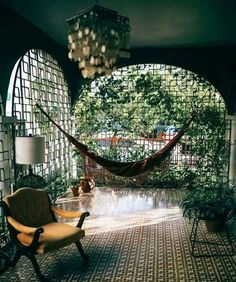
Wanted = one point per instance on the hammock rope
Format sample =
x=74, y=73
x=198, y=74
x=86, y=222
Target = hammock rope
x=125, y=169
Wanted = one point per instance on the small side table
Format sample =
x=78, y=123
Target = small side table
x=224, y=234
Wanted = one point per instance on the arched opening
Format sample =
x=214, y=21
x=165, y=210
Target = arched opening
x=138, y=109
x=37, y=78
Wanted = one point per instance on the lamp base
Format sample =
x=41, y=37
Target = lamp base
x=31, y=180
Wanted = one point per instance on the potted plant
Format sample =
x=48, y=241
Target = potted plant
x=209, y=195
x=215, y=202
x=74, y=186
x=86, y=182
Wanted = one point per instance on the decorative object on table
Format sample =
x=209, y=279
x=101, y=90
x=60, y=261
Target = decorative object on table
x=30, y=150
x=34, y=229
x=97, y=37
x=87, y=184
x=74, y=186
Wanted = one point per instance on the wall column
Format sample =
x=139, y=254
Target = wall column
x=231, y=134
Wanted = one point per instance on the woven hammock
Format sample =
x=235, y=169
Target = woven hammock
x=125, y=169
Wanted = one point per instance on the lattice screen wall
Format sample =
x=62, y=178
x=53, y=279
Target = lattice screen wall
x=5, y=153
x=140, y=108
x=37, y=78
x=6, y=172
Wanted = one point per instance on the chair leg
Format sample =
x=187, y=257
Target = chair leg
x=81, y=251
x=192, y=230
x=230, y=239
x=4, y=262
x=34, y=262
x=193, y=236
x=16, y=258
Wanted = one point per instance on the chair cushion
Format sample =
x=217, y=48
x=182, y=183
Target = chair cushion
x=56, y=235
x=30, y=207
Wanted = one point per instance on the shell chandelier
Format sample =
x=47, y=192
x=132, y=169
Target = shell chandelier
x=97, y=37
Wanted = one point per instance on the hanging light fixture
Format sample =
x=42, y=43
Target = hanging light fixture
x=96, y=38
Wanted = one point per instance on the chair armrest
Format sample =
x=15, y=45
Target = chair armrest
x=65, y=213
x=35, y=231
x=82, y=218
x=20, y=227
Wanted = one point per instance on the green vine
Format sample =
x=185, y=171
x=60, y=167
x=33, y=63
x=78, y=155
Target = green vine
x=145, y=104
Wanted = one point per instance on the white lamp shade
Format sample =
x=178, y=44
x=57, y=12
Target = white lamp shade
x=30, y=149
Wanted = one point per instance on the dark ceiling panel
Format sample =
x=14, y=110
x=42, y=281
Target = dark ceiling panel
x=159, y=23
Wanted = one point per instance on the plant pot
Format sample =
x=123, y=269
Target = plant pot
x=75, y=190
x=215, y=225
x=87, y=184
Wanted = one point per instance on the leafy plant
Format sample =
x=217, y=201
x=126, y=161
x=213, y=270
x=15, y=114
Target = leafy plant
x=139, y=106
x=74, y=181
x=208, y=192
x=213, y=200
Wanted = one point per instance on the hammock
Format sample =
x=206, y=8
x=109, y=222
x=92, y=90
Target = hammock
x=125, y=168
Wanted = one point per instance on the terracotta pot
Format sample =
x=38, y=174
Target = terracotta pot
x=87, y=184
x=75, y=190
x=215, y=225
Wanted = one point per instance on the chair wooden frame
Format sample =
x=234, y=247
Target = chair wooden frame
x=30, y=251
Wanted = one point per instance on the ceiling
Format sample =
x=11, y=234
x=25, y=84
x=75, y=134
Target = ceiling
x=154, y=23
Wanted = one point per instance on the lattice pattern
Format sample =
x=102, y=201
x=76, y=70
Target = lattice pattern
x=39, y=79
x=5, y=171
x=5, y=167
x=139, y=109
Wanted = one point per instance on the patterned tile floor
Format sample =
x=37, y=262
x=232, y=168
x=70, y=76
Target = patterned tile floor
x=131, y=235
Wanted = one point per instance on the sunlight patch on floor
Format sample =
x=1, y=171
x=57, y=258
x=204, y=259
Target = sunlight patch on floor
x=121, y=208
x=99, y=224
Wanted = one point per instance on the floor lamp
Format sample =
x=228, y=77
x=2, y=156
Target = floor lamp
x=30, y=150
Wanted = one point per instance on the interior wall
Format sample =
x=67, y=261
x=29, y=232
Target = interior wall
x=17, y=37
x=216, y=64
